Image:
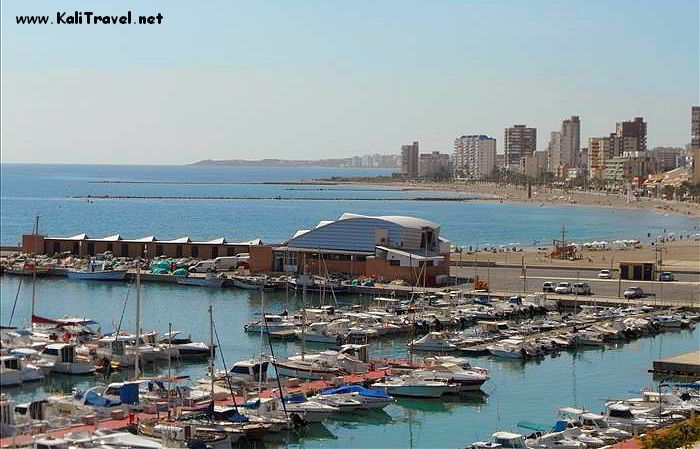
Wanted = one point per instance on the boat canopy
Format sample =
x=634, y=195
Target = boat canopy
x=534, y=426
x=357, y=389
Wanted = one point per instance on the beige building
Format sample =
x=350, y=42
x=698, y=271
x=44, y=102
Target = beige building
x=409, y=160
x=632, y=167
x=695, y=143
x=475, y=156
x=534, y=165
x=433, y=164
x=520, y=141
x=599, y=151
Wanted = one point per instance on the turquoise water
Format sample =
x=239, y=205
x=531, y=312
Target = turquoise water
x=47, y=190
x=517, y=391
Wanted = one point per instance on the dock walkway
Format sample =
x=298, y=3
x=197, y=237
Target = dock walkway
x=683, y=364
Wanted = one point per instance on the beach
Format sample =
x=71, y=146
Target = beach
x=540, y=194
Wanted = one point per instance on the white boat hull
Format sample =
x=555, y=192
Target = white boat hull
x=76, y=368
x=302, y=373
x=415, y=391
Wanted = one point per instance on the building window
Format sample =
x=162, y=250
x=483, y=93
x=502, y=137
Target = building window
x=91, y=248
x=214, y=252
x=125, y=250
x=178, y=251
x=195, y=251
x=56, y=247
x=159, y=250
x=230, y=251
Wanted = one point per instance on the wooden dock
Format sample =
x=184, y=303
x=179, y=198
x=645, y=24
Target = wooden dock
x=682, y=364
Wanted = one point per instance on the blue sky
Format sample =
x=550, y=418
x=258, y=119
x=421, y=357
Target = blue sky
x=295, y=79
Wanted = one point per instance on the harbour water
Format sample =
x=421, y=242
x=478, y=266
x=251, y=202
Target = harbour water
x=49, y=190
x=516, y=391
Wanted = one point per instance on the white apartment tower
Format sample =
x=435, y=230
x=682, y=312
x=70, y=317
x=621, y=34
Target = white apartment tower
x=475, y=155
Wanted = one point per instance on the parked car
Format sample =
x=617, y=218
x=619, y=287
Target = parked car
x=634, y=292
x=605, y=274
x=666, y=276
x=548, y=287
x=230, y=262
x=203, y=266
x=564, y=288
x=581, y=288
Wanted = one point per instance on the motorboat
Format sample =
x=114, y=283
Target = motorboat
x=509, y=440
x=249, y=371
x=97, y=271
x=466, y=379
x=333, y=332
x=64, y=359
x=10, y=377
x=621, y=416
x=669, y=321
x=433, y=341
x=354, y=397
x=508, y=348
x=274, y=323
x=595, y=424
x=413, y=387
x=28, y=372
x=185, y=347
x=349, y=359
x=211, y=280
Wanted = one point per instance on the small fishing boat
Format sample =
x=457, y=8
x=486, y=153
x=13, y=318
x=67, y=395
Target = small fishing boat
x=64, y=359
x=254, y=283
x=210, y=280
x=434, y=341
x=28, y=268
x=97, y=271
x=354, y=397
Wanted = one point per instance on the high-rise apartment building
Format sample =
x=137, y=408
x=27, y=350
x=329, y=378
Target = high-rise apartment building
x=475, y=156
x=520, y=141
x=600, y=149
x=631, y=136
x=695, y=143
x=409, y=159
x=565, y=145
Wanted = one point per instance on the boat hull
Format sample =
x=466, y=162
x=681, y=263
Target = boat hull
x=197, y=282
x=414, y=391
x=302, y=372
x=119, y=275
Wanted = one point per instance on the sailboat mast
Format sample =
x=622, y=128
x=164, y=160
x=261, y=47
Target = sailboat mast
x=211, y=351
x=170, y=358
x=303, y=312
x=33, y=292
x=138, y=319
x=262, y=340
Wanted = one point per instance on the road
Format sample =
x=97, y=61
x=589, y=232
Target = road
x=686, y=289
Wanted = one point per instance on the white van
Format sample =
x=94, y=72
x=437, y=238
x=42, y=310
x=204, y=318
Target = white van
x=230, y=262
x=203, y=266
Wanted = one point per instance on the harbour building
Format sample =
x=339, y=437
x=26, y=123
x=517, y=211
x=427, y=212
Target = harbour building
x=386, y=247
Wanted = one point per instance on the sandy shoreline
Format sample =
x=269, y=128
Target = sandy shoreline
x=540, y=195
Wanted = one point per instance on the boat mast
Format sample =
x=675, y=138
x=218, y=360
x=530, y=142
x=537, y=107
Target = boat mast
x=35, y=231
x=303, y=310
x=262, y=340
x=211, y=352
x=138, y=318
x=170, y=358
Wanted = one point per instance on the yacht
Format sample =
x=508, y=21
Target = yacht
x=354, y=397
x=413, y=387
x=64, y=359
x=669, y=321
x=349, y=359
x=433, y=341
x=467, y=380
x=28, y=372
x=273, y=323
x=334, y=332
x=185, y=347
x=621, y=416
x=9, y=377
x=508, y=348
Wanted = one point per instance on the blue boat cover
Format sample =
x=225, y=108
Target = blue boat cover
x=357, y=389
x=129, y=393
x=92, y=398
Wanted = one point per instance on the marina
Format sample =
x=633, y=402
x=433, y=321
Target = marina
x=375, y=360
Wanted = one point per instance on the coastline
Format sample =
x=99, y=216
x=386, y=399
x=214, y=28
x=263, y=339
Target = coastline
x=489, y=191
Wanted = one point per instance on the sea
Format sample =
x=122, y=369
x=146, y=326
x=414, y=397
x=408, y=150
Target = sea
x=517, y=391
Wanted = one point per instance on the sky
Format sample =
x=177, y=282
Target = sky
x=326, y=78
